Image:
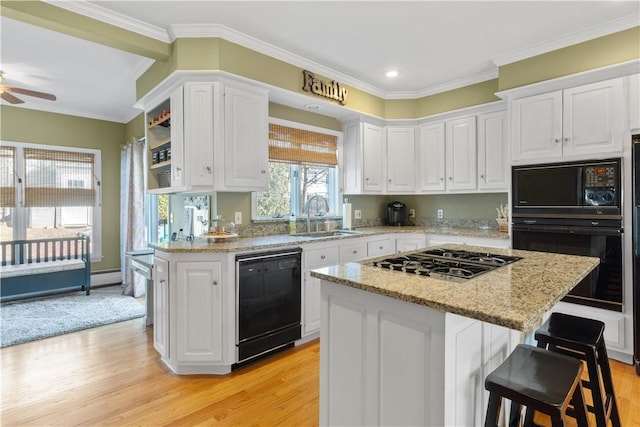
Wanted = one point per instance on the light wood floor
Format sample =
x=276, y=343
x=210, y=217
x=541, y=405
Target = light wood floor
x=111, y=375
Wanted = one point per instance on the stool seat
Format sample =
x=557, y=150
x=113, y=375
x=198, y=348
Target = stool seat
x=583, y=339
x=540, y=380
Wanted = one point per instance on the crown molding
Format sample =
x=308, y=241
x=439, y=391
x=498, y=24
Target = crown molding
x=123, y=117
x=572, y=39
x=111, y=17
x=221, y=31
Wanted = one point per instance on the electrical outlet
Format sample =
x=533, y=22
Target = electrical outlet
x=238, y=219
x=412, y=213
x=357, y=214
x=440, y=213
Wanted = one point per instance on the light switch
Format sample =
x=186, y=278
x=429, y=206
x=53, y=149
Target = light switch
x=238, y=218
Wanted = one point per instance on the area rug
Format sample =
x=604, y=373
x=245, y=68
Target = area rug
x=36, y=319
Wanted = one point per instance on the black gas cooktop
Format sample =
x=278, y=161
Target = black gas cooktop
x=446, y=263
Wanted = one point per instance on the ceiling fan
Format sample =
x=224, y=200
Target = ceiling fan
x=5, y=89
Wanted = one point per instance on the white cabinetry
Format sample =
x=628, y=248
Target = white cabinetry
x=387, y=362
x=208, y=136
x=161, y=306
x=380, y=246
x=373, y=160
x=493, y=163
x=246, y=140
x=400, y=157
x=575, y=122
x=314, y=256
x=194, y=314
x=410, y=242
x=634, y=102
x=431, y=157
x=198, y=309
x=461, y=165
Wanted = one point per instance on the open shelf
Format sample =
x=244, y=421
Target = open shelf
x=164, y=122
x=158, y=144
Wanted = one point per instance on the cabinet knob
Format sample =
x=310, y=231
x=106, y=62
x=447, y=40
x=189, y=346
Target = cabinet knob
x=209, y=169
x=355, y=252
x=566, y=139
x=263, y=171
x=322, y=257
x=366, y=179
x=557, y=140
x=441, y=179
x=389, y=181
x=162, y=281
x=380, y=247
x=482, y=176
x=215, y=283
x=178, y=169
x=450, y=178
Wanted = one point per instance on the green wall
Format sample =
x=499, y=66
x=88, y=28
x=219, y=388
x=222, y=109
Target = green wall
x=38, y=127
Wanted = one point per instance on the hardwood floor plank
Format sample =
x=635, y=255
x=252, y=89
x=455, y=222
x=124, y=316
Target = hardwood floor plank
x=112, y=376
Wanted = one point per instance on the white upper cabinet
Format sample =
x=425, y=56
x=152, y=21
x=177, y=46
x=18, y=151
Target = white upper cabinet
x=634, y=102
x=373, y=160
x=493, y=163
x=576, y=122
x=461, y=164
x=198, y=133
x=246, y=141
x=209, y=136
x=431, y=157
x=400, y=156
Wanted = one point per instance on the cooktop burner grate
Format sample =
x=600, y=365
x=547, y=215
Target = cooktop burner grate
x=446, y=264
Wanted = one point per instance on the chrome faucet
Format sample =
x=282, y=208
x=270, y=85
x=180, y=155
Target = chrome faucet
x=326, y=203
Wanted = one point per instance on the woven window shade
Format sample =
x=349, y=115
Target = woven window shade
x=291, y=145
x=7, y=177
x=58, y=178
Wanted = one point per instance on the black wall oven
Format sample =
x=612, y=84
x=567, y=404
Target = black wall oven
x=574, y=208
x=268, y=299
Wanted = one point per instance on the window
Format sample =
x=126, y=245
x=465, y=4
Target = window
x=302, y=164
x=48, y=191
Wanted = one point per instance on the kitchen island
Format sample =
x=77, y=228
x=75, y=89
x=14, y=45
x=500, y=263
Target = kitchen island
x=402, y=349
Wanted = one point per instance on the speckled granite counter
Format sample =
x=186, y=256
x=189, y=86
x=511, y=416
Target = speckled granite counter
x=275, y=241
x=515, y=296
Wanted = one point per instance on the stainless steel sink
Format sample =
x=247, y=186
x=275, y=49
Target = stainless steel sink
x=334, y=233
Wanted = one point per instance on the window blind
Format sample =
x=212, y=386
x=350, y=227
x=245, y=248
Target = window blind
x=290, y=145
x=58, y=178
x=7, y=177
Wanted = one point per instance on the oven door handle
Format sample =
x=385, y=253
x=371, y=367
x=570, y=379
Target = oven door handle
x=596, y=231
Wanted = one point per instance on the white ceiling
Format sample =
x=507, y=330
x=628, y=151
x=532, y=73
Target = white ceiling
x=435, y=46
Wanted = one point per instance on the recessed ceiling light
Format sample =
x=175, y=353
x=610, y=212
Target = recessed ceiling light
x=312, y=106
x=392, y=73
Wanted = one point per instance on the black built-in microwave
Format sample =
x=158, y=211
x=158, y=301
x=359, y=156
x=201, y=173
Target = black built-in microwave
x=585, y=189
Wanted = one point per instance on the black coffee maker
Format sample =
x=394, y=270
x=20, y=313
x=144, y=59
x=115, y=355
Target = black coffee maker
x=397, y=213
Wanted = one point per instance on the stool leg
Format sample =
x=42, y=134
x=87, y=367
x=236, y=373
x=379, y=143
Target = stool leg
x=605, y=369
x=514, y=415
x=596, y=392
x=493, y=410
x=528, y=417
x=579, y=406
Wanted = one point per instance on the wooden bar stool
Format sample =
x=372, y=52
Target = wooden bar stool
x=540, y=380
x=583, y=339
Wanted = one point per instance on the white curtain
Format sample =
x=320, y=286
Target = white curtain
x=132, y=224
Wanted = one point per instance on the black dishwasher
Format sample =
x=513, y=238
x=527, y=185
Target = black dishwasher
x=268, y=301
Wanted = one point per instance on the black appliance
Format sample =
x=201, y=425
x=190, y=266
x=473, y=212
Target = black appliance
x=397, y=213
x=268, y=302
x=446, y=264
x=588, y=189
x=636, y=250
x=574, y=208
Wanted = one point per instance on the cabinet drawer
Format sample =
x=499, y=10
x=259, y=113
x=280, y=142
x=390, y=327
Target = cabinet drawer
x=320, y=257
x=380, y=247
x=353, y=252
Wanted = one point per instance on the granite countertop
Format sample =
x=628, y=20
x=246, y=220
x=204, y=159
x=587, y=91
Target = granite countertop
x=515, y=296
x=275, y=241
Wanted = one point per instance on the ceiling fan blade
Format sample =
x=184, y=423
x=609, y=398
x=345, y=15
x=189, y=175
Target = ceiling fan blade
x=32, y=93
x=10, y=98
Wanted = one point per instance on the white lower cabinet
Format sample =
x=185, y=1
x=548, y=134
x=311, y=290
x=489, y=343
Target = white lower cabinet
x=194, y=314
x=410, y=242
x=161, y=306
x=380, y=246
x=387, y=362
x=199, y=312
